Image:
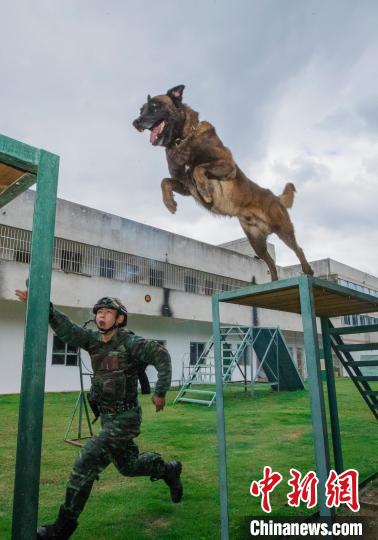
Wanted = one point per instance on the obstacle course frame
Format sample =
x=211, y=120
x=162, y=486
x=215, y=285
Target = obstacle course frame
x=21, y=166
x=310, y=297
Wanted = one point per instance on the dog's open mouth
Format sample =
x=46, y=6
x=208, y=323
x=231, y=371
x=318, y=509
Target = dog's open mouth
x=156, y=132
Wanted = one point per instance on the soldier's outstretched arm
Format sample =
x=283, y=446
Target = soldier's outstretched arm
x=63, y=327
x=68, y=331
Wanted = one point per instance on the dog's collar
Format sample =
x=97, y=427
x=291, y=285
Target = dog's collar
x=178, y=142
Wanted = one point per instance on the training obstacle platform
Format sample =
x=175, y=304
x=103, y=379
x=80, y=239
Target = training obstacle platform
x=21, y=166
x=312, y=298
x=273, y=356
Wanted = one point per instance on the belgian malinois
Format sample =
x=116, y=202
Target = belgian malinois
x=201, y=166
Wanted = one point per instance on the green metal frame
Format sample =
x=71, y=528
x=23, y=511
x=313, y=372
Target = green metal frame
x=305, y=285
x=42, y=168
x=82, y=405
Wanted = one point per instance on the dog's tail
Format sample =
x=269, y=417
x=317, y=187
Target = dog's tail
x=287, y=196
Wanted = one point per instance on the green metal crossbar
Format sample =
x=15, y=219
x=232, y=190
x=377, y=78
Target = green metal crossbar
x=358, y=347
x=363, y=328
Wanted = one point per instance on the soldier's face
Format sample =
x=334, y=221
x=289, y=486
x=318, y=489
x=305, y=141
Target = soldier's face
x=105, y=318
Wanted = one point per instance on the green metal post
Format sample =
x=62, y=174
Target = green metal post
x=28, y=457
x=220, y=419
x=252, y=363
x=332, y=398
x=319, y=426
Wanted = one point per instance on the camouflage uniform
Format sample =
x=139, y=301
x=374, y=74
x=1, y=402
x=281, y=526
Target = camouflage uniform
x=114, y=389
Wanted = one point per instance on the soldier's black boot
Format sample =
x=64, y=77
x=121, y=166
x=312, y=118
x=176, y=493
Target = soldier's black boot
x=172, y=478
x=62, y=529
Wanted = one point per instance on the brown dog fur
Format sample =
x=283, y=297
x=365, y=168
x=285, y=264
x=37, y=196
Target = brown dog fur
x=201, y=166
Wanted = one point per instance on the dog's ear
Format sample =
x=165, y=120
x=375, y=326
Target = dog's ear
x=176, y=93
x=148, y=98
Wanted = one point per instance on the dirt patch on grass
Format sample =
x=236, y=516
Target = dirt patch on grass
x=161, y=523
x=369, y=509
x=293, y=435
x=369, y=497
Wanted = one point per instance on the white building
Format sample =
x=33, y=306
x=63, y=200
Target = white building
x=165, y=280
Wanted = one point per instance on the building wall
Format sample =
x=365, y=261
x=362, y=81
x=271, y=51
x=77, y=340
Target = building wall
x=89, y=226
x=192, y=316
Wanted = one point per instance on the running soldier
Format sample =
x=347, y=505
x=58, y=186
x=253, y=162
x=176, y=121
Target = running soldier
x=116, y=355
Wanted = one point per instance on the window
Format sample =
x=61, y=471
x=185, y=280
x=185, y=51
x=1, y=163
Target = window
x=357, y=287
x=357, y=320
x=22, y=255
x=64, y=354
x=107, y=268
x=196, y=349
x=70, y=261
x=190, y=283
x=132, y=273
x=156, y=277
x=209, y=287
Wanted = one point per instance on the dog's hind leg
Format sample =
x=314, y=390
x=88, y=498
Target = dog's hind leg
x=204, y=174
x=257, y=239
x=288, y=237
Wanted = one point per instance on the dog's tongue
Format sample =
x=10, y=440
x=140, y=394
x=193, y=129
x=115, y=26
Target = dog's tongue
x=154, y=134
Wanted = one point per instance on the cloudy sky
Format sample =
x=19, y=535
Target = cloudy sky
x=291, y=86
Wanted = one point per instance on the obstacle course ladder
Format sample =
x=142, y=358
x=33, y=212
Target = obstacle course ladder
x=272, y=354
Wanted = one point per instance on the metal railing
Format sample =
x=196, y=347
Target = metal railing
x=358, y=320
x=77, y=258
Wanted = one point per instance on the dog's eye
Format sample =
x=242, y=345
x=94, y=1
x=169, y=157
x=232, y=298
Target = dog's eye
x=154, y=106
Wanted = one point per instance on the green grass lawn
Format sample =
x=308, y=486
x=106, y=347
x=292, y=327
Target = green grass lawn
x=269, y=429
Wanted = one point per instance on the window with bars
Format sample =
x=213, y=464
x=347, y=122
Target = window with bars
x=358, y=320
x=64, y=354
x=70, y=261
x=190, y=284
x=156, y=277
x=75, y=257
x=209, y=287
x=132, y=273
x=107, y=268
x=22, y=255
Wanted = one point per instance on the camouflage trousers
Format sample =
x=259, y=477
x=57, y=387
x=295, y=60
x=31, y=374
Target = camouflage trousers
x=114, y=444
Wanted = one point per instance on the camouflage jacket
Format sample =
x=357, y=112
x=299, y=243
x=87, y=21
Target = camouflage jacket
x=115, y=363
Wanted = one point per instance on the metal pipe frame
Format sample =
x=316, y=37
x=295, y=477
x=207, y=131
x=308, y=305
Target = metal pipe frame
x=44, y=166
x=317, y=404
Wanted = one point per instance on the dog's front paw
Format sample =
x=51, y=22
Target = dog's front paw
x=171, y=204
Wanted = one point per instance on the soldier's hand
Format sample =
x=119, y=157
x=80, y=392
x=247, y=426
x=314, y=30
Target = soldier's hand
x=159, y=402
x=21, y=295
